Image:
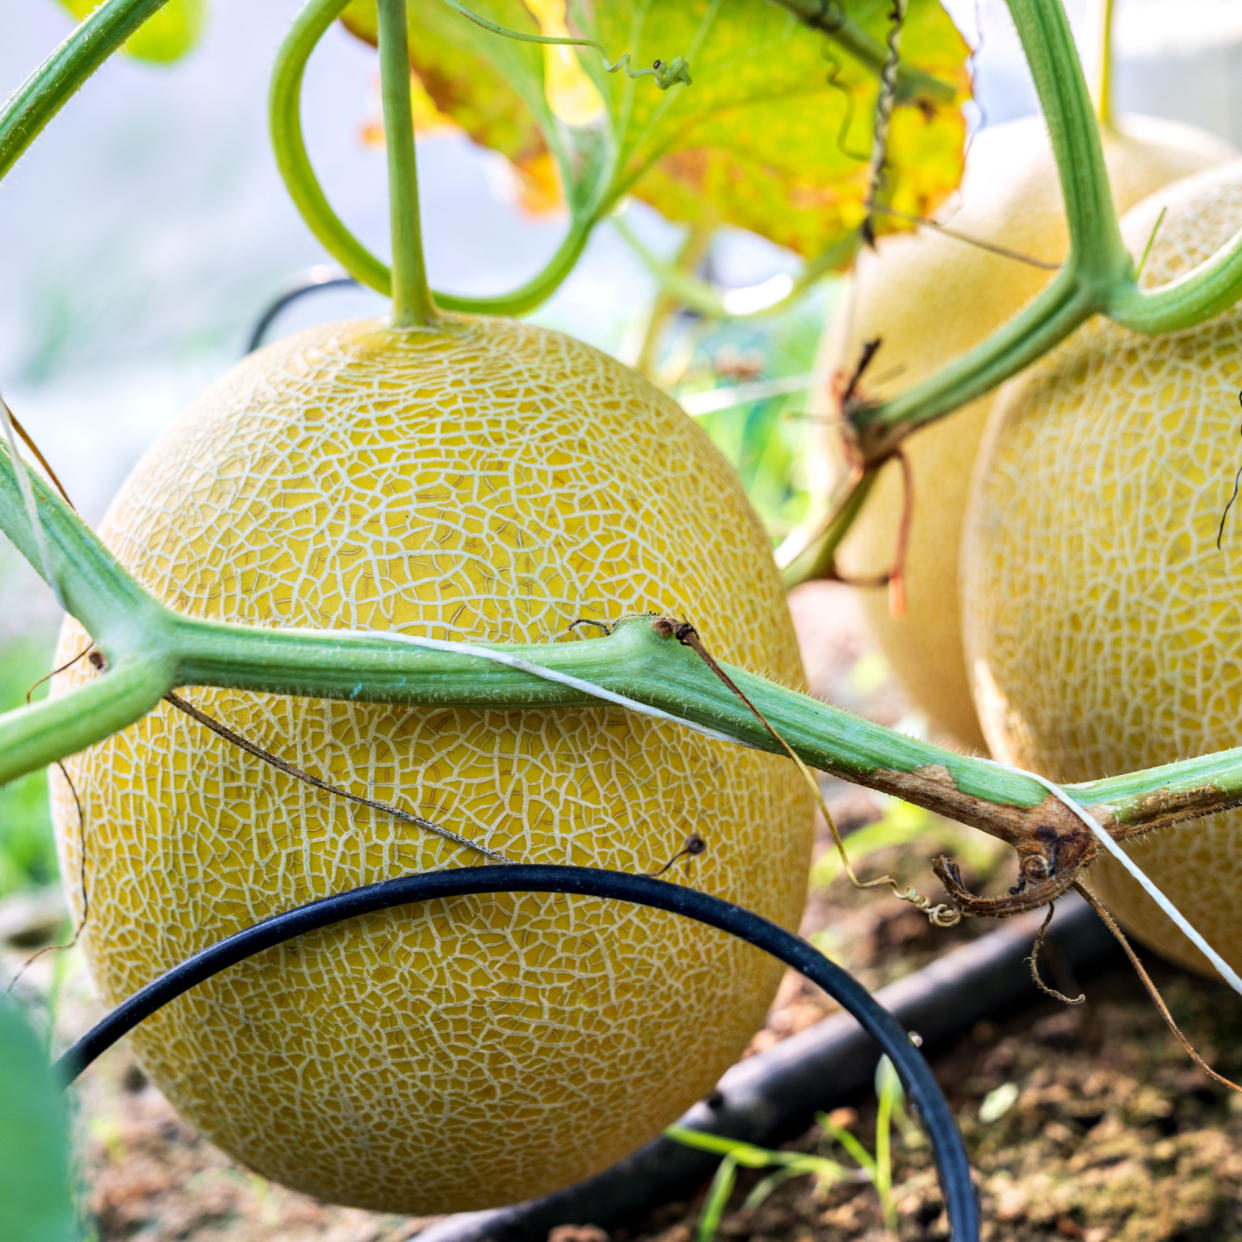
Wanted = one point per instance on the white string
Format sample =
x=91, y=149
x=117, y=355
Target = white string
x=548, y=674
x=1223, y=968
x=21, y=472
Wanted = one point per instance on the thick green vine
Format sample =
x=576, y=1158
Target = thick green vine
x=145, y=650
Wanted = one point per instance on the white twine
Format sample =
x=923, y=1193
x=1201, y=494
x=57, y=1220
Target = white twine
x=548, y=674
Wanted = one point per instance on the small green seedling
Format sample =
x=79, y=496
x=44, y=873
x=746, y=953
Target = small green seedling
x=876, y=1168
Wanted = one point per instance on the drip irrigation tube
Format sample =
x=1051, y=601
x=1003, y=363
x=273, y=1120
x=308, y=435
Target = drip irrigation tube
x=317, y=278
x=774, y=1095
x=921, y=1088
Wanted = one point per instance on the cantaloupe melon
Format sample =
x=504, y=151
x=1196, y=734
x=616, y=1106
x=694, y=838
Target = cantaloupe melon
x=481, y=481
x=1102, y=625
x=930, y=297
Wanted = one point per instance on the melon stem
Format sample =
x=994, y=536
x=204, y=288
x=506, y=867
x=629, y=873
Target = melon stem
x=412, y=304
x=293, y=163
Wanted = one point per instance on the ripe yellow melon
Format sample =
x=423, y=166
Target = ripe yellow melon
x=1102, y=625
x=930, y=297
x=486, y=481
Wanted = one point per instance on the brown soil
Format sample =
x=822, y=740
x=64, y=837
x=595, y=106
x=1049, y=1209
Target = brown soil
x=1082, y=1123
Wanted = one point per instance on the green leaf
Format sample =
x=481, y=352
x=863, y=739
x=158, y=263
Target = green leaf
x=35, y=1202
x=165, y=36
x=775, y=132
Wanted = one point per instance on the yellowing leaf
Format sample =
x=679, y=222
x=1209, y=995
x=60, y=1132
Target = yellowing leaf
x=539, y=186
x=167, y=35
x=775, y=133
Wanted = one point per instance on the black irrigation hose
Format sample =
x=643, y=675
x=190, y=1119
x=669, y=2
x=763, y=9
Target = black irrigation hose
x=921, y=1088
x=774, y=1095
x=309, y=282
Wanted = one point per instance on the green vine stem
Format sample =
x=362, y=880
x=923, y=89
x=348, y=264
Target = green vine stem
x=1202, y=293
x=1097, y=253
x=816, y=556
x=412, y=305
x=1098, y=261
x=293, y=162
x=147, y=650
x=635, y=661
x=34, y=736
x=1098, y=276
x=28, y=110
x=289, y=146
x=1046, y=321
x=96, y=589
